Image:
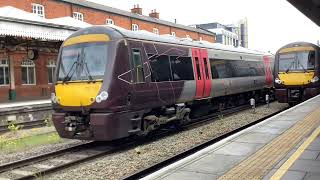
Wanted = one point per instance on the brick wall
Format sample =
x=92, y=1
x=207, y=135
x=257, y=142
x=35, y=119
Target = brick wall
x=55, y=8
x=42, y=88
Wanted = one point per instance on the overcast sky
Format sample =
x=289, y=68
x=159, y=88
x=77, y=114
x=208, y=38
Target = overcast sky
x=271, y=23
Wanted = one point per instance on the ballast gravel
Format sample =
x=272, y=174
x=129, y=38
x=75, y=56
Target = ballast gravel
x=6, y=157
x=124, y=163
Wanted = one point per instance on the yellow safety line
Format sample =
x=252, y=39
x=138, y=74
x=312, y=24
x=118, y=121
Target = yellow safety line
x=284, y=168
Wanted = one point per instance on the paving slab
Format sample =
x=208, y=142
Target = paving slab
x=312, y=176
x=255, y=138
x=214, y=164
x=290, y=175
x=281, y=124
x=187, y=175
x=269, y=130
x=306, y=166
x=238, y=149
x=315, y=145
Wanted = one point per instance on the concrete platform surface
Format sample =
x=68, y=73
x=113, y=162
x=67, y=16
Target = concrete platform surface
x=286, y=146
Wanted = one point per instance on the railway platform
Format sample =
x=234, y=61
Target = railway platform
x=285, y=146
x=22, y=111
x=8, y=105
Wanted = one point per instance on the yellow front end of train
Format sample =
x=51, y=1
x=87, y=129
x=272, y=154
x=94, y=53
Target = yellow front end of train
x=296, y=72
x=81, y=70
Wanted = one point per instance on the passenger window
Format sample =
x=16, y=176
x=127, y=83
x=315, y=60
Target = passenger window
x=214, y=71
x=137, y=65
x=198, y=68
x=206, y=67
x=221, y=68
x=181, y=68
x=160, y=68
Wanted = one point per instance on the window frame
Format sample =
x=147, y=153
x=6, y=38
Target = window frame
x=108, y=20
x=35, y=10
x=134, y=67
x=78, y=15
x=4, y=66
x=51, y=64
x=28, y=66
x=134, y=27
x=155, y=31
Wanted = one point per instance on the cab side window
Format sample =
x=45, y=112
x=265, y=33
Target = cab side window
x=137, y=66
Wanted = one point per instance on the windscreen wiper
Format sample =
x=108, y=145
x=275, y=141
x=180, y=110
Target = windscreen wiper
x=67, y=77
x=304, y=70
x=83, y=62
x=290, y=66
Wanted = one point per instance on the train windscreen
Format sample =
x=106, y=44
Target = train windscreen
x=86, y=61
x=297, y=61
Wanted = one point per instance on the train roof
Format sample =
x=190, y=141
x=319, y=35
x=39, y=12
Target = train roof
x=167, y=38
x=116, y=32
x=299, y=44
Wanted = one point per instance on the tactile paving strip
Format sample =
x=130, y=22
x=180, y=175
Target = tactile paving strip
x=261, y=162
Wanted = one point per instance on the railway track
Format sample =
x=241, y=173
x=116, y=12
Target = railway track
x=45, y=164
x=24, y=125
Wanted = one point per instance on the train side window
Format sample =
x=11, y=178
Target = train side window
x=214, y=71
x=198, y=68
x=137, y=65
x=206, y=68
x=181, y=68
x=311, y=60
x=240, y=68
x=220, y=68
x=160, y=68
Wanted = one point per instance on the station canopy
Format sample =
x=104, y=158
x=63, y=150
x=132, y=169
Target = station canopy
x=19, y=23
x=311, y=8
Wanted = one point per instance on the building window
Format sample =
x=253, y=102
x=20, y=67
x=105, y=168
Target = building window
x=38, y=9
x=135, y=27
x=173, y=34
x=78, y=16
x=155, y=30
x=4, y=72
x=109, y=21
x=28, y=72
x=51, y=68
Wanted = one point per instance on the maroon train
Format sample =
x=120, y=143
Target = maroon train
x=112, y=83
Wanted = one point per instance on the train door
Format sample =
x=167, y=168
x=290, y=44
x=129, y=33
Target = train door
x=268, y=73
x=202, y=73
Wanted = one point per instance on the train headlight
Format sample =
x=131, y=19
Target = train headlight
x=102, y=97
x=315, y=79
x=278, y=81
x=98, y=99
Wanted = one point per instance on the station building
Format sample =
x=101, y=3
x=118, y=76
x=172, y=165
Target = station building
x=231, y=34
x=31, y=32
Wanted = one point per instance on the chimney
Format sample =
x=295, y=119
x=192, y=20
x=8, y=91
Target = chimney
x=154, y=14
x=136, y=9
